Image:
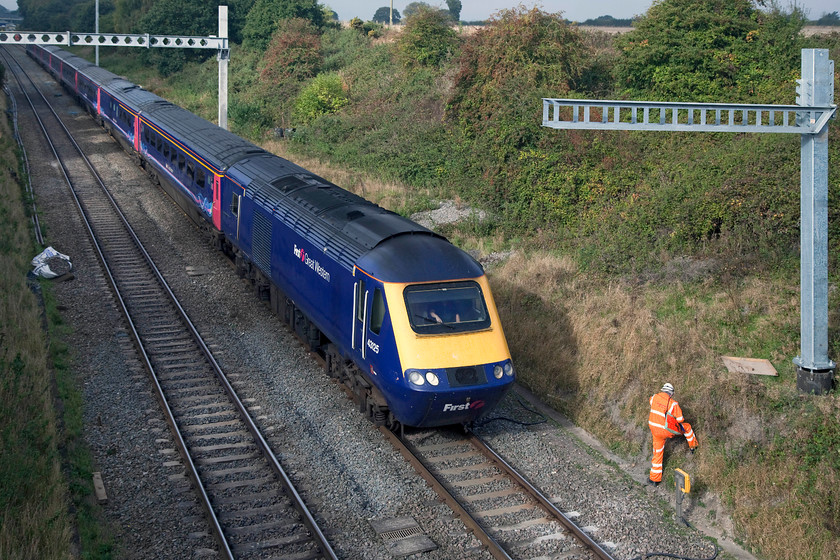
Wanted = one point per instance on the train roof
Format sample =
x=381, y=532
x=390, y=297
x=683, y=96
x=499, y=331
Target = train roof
x=408, y=258
x=59, y=53
x=99, y=74
x=126, y=92
x=221, y=148
x=345, y=225
x=76, y=62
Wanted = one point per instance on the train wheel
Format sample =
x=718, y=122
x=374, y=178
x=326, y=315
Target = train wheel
x=393, y=424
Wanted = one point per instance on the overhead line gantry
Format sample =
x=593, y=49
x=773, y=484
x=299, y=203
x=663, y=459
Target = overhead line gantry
x=809, y=119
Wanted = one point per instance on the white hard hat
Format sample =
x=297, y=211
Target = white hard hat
x=668, y=388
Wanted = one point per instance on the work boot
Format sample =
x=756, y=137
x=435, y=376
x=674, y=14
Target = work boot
x=653, y=482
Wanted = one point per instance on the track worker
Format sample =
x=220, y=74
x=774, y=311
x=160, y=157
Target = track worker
x=666, y=421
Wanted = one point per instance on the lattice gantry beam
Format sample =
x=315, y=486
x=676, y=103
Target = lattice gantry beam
x=69, y=38
x=691, y=117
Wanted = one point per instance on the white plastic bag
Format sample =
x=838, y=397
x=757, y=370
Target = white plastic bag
x=47, y=256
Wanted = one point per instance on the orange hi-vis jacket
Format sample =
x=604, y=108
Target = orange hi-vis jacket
x=666, y=416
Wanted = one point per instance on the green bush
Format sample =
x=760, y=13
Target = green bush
x=716, y=51
x=263, y=19
x=427, y=38
x=323, y=96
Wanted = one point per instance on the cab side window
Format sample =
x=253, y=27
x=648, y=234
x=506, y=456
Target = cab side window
x=377, y=311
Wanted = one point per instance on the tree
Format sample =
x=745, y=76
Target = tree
x=454, y=9
x=294, y=53
x=520, y=56
x=710, y=50
x=428, y=38
x=329, y=14
x=126, y=15
x=178, y=17
x=46, y=15
x=237, y=13
x=413, y=8
x=82, y=16
x=262, y=20
x=293, y=56
x=831, y=19
x=383, y=15
x=608, y=21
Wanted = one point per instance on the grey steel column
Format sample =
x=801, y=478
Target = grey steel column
x=96, y=30
x=224, y=57
x=816, y=88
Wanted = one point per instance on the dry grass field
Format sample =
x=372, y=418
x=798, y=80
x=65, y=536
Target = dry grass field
x=596, y=348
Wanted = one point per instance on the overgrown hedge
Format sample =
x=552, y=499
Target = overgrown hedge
x=623, y=201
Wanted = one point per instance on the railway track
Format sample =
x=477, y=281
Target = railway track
x=252, y=507
x=507, y=513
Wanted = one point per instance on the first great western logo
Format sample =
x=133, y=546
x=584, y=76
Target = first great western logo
x=311, y=263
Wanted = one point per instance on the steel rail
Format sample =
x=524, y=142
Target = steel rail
x=408, y=450
x=493, y=547
x=526, y=484
x=36, y=224
x=306, y=516
x=204, y=498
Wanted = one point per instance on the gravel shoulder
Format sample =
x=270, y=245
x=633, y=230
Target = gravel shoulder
x=345, y=468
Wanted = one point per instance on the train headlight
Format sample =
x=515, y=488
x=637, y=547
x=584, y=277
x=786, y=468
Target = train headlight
x=432, y=378
x=416, y=378
x=498, y=372
x=509, y=369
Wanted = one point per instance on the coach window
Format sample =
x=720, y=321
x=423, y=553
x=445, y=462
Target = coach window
x=166, y=150
x=181, y=162
x=200, y=179
x=360, y=301
x=377, y=312
x=234, y=205
x=159, y=143
x=190, y=170
x=146, y=135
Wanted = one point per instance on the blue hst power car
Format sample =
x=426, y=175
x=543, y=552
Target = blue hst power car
x=403, y=317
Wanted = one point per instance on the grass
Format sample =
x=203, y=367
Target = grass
x=34, y=519
x=46, y=506
x=597, y=348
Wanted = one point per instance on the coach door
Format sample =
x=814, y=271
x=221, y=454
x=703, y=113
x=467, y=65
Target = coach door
x=360, y=305
x=217, y=201
x=235, y=205
x=369, y=315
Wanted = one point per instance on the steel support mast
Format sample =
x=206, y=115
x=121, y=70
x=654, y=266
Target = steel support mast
x=809, y=118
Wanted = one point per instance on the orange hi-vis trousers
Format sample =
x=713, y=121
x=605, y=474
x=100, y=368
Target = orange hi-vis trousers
x=659, y=439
